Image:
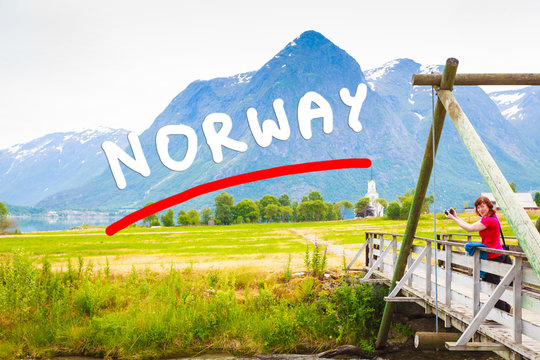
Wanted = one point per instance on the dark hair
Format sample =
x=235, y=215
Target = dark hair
x=484, y=200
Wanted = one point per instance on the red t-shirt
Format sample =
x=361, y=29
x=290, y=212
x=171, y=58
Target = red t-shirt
x=491, y=235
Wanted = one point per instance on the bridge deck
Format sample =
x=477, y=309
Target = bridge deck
x=465, y=303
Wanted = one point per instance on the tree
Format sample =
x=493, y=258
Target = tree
x=393, y=210
x=168, y=218
x=314, y=196
x=331, y=213
x=361, y=206
x=150, y=219
x=513, y=186
x=183, y=218
x=537, y=198
x=271, y=212
x=193, y=216
x=206, y=215
x=264, y=202
x=295, y=211
x=406, y=201
x=223, y=204
x=248, y=210
x=3, y=212
x=4, y=222
x=284, y=200
x=286, y=213
x=319, y=209
x=341, y=207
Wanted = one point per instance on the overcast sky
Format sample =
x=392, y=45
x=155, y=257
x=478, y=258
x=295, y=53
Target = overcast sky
x=71, y=65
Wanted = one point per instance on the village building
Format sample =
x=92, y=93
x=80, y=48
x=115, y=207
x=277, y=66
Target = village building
x=524, y=199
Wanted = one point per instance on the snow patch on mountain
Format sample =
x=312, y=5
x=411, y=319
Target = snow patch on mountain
x=505, y=99
x=428, y=69
x=374, y=74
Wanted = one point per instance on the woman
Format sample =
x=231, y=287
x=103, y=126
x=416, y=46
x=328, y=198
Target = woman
x=489, y=229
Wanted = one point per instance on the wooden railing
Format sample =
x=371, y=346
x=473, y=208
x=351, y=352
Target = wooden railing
x=459, y=282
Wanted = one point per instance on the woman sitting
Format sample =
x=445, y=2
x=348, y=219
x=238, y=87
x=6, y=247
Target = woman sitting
x=489, y=229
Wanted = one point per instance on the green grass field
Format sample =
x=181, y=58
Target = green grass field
x=260, y=245
x=169, y=292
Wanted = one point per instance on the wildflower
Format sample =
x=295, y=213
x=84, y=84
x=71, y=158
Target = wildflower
x=316, y=245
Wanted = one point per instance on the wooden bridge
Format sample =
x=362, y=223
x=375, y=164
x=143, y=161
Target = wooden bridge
x=462, y=300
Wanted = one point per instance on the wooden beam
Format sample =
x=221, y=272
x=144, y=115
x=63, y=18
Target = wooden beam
x=475, y=346
x=447, y=83
x=522, y=226
x=478, y=79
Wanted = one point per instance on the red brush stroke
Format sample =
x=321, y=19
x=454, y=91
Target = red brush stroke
x=232, y=181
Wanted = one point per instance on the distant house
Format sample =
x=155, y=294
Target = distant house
x=524, y=199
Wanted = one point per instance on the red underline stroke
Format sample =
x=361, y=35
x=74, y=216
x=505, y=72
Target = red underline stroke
x=233, y=181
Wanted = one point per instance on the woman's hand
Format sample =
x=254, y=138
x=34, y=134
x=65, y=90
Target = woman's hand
x=450, y=214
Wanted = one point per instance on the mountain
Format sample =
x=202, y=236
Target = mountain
x=522, y=109
x=53, y=163
x=395, y=118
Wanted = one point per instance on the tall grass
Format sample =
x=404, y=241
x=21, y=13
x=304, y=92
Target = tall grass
x=87, y=310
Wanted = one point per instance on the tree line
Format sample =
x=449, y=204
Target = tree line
x=269, y=208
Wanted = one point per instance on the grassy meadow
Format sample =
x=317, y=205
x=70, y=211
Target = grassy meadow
x=165, y=292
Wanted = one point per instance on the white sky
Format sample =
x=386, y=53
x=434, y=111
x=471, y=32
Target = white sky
x=70, y=65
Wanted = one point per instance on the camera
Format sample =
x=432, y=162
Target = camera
x=451, y=211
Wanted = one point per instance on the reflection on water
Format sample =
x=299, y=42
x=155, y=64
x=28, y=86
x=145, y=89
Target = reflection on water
x=55, y=223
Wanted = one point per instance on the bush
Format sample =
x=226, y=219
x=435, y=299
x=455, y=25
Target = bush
x=393, y=211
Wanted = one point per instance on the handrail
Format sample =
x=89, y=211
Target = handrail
x=457, y=243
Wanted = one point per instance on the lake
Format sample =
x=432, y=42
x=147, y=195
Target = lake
x=55, y=223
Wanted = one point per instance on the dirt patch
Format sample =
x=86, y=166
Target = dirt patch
x=264, y=263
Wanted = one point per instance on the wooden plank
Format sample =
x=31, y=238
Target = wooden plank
x=481, y=315
x=357, y=255
x=522, y=226
x=409, y=272
x=402, y=299
x=517, y=303
x=479, y=79
x=475, y=346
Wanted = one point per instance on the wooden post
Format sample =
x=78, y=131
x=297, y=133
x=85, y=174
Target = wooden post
x=428, y=269
x=476, y=282
x=518, y=326
x=522, y=226
x=447, y=83
x=429, y=340
x=394, y=245
x=448, y=275
x=479, y=79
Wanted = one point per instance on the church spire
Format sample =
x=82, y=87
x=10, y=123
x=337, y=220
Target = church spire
x=371, y=172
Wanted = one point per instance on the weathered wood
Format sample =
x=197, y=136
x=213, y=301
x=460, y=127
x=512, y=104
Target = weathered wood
x=478, y=79
x=475, y=346
x=522, y=226
x=408, y=274
x=402, y=299
x=481, y=315
x=344, y=350
x=434, y=136
x=433, y=340
x=517, y=303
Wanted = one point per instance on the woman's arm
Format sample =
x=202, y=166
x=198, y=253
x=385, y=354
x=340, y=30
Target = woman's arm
x=477, y=226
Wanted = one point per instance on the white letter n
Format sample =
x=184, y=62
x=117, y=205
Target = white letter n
x=115, y=154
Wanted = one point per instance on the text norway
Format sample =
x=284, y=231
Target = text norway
x=262, y=134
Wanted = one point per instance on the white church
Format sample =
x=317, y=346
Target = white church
x=376, y=208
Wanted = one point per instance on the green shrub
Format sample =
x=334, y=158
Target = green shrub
x=393, y=210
